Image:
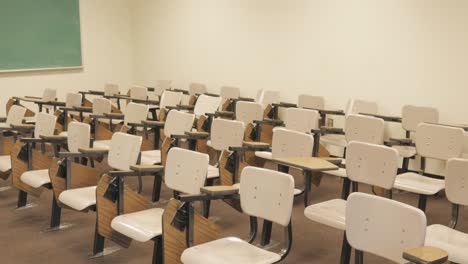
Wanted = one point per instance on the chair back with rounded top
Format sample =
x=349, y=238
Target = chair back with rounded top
x=139, y=92
x=102, y=106
x=79, y=135
x=197, y=88
x=412, y=116
x=247, y=112
x=206, y=105
x=301, y=120
x=162, y=86
x=226, y=133
x=135, y=113
x=186, y=170
x=178, y=122
x=267, y=194
x=124, y=150
x=383, y=227
x=111, y=89
x=310, y=101
x=170, y=98
x=356, y=106
x=45, y=125
x=49, y=95
x=229, y=92
x=15, y=115
x=267, y=97
x=287, y=143
x=372, y=164
x=364, y=129
x=73, y=100
x=439, y=142
x=456, y=181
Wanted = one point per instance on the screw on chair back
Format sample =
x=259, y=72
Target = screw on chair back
x=456, y=181
x=186, y=170
x=226, y=133
x=197, y=88
x=73, y=100
x=15, y=115
x=45, y=125
x=247, y=112
x=111, y=89
x=135, y=113
x=383, y=227
x=229, y=92
x=301, y=120
x=364, y=129
x=162, y=86
x=101, y=106
x=355, y=106
x=170, y=98
x=412, y=116
x=49, y=95
x=206, y=105
x=139, y=92
x=124, y=150
x=267, y=194
x=439, y=142
x=78, y=136
x=267, y=97
x=178, y=122
x=288, y=143
x=372, y=164
x=310, y=101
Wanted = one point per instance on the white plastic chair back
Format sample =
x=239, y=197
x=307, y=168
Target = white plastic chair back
x=439, y=142
x=197, y=88
x=301, y=120
x=161, y=86
x=79, y=135
x=45, y=125
x=287, y=143
x=186, y=170
x=372, y=164
x=226, y=133
x=267, y=194
x=170, y=98
x=412, y=116
x=364, y=129
x=456, y=181
x=139, y=92
x=101, y=106
x=111, y=89
x=15, y=115
x=355, y=106
x=49, y=95
x=123, y=151
x=383, y=227
x=206, y=105
x=228, y=92
x=247, y=112
x=310, y=101
x=135, y=113
x=266, y=97
x=73, y=100
x=177, y=123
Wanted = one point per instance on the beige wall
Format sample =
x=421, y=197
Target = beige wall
x=392, y=51
x=107, y=55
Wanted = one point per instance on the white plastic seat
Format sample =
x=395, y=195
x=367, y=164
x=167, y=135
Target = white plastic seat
x=338, y=173
x=264, y=155
x=406, y=151
x=141, y=226
x=452, y=241
x=101, y=144
x=5, y=163
x=36, y=178
x=228, y=250
x=150, y=157
x=330, y=213
x=213, y=172
x=80, y=198
x=336, y=140
x=415, y=183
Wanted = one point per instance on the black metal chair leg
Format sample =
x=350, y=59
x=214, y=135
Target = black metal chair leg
x=422, y=202
x=358, y=257
x=22, y=199
x=98, y=246
x=345, y=190
x=266, y=233
x=56, y=214
x=345, y=251
x=156, y=188
x=158, y=250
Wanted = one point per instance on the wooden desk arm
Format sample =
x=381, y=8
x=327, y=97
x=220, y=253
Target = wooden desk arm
x=225, y=114
x=146, y=101
x=154, y=124
x=198, y=135
x=384, y=117
x=247, y=99
x=212, y=94
x=285, y=105
x=186, y=107
x=401, y=140
x=426, y=255
x=268, y=121
x=93, y=151
x=54, y=139
x=147, y=169
x=23, y=127
x=214, y=191
x=332, y=130
x=136, y=125
x=31, y=140
x=211, y=193
x=92, y=92
x=114, y=116
x=84, y=109
x=33, y=97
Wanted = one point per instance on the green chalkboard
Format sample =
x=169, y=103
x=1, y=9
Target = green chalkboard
x=39, y=34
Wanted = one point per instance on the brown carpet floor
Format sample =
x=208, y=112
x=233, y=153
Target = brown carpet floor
x=21, y=239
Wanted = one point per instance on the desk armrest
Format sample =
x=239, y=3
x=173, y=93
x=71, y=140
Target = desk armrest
x=225, y=114
x=197, y=135
x=147, y=168
x=219, y=190
x=332, y=130
x=93, y=151
x=114, y=115
x=54, y=138
x=185, y=107
x=247, y=99
x=268, y=121
x=23, y=127
x=85, y=109
x=385, y=118
x=154, y=123
x=284, y=104
x=426, y=255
